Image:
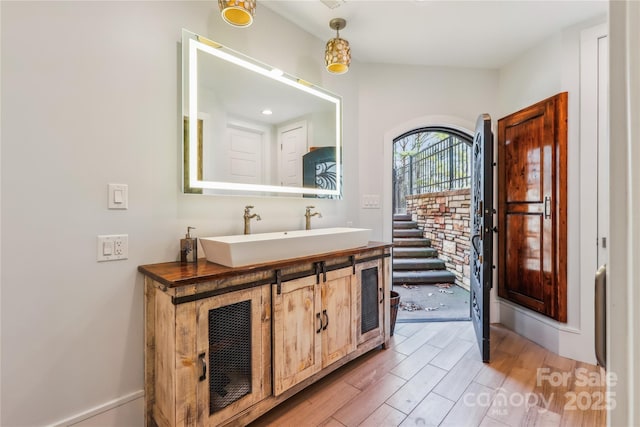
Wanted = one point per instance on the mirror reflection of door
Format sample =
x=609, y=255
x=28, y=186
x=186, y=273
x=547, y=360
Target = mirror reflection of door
x=293, y=145
x=245, y=153
x=603, y=149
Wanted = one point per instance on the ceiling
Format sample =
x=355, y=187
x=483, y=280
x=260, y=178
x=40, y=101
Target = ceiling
x=455, y=33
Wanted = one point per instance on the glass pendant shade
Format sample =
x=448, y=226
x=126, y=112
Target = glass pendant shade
x=238, y=13
x=337, y=55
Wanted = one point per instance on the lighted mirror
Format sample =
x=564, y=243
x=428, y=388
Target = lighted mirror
x=249, y=127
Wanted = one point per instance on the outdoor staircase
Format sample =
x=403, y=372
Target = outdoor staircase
x=414, y=260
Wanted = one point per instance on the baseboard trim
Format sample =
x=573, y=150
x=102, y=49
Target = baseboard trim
x=539, y=318
x=97, y=410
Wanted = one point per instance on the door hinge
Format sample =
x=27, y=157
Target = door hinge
x=278, y=282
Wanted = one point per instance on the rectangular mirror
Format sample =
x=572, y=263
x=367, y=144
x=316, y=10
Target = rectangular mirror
x=252, y=129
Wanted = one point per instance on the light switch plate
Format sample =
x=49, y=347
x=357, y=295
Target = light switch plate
x=371, y=201
x=113, y=247
x=118, y=196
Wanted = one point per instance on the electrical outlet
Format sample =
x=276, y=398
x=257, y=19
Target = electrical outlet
x=113, y=247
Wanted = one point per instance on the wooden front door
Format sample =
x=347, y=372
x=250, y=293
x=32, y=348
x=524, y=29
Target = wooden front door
x=532, y=207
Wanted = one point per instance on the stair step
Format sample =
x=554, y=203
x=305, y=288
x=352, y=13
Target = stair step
x=418, y=264
x=404, y=225
x=402, y=217
x=407, y=233
x=414, y=252
x=411, y=242
x=423, y=277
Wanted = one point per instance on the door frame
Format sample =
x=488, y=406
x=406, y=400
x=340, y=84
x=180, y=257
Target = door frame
x=589, y=128
x=624, y=251
x=443, y=121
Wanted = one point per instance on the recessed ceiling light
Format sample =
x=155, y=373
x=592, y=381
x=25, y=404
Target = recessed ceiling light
x=267, y=112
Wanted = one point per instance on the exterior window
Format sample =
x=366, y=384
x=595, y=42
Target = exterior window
x=430, y=160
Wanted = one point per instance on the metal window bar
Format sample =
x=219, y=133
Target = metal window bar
x=442, y=166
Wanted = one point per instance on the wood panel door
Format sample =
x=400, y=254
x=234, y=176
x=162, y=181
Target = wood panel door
x=338, y=315
x=532, y=207
x=233, y=367
x=297, y=328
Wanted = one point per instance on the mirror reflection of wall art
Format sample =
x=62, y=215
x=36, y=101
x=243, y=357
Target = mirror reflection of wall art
x=320, y=171
x=258, y=124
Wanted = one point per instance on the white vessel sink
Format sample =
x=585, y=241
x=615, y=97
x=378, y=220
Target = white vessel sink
x=242, y=250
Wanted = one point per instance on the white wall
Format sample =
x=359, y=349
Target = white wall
x=551, y=67
x=91, y=95
x=398, y=98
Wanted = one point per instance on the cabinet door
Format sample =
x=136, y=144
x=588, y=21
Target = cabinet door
x=231, y=339
x=369, y=301
x=297, y=327
x=338, y=316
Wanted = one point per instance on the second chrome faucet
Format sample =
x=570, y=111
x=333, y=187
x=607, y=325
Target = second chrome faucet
x=308, y=215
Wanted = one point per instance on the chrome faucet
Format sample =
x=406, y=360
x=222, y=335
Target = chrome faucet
x=308, y=216
x=247, y=219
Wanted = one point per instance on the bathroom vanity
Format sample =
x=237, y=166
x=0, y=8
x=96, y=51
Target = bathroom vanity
x=226, y=344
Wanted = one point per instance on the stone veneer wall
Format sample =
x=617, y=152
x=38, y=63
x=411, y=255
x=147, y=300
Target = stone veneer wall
x=444, y=218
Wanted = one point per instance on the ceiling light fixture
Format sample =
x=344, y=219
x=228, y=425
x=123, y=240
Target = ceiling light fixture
x=337, y=56
x=238, y=13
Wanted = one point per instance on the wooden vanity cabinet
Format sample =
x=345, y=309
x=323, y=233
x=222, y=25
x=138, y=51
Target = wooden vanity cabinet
x=225, y=345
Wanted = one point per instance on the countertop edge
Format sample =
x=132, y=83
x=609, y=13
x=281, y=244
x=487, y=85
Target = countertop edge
x=174, y=274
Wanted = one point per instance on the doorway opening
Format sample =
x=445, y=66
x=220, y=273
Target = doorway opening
x=432, y=224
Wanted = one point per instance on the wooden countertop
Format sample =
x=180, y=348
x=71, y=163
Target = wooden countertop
x=174, y=274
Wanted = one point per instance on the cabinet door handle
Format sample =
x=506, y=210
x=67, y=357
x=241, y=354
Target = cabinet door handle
x=203, y=363
x=381, y=296
x=326, y=317
x=319, y=327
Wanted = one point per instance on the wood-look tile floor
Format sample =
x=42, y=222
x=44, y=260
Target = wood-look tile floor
x=432, y=375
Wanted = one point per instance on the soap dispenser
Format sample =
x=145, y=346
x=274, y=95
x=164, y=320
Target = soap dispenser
x=189, y=247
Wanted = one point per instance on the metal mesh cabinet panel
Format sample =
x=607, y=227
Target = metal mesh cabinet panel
x=369, y=300
x=229, y=354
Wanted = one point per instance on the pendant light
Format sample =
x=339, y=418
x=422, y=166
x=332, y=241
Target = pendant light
x=238, y=13
x=337, y=56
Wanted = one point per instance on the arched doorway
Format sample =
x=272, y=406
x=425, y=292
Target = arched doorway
x=431, y=223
